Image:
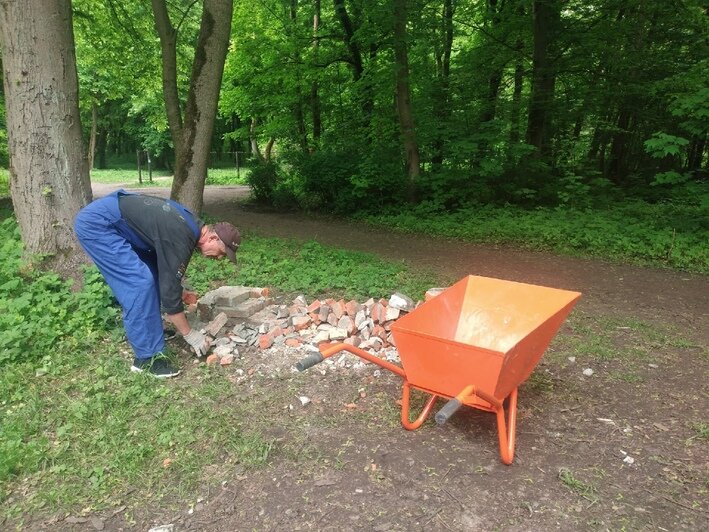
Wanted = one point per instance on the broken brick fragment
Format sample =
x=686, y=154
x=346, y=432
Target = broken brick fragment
x=265, y=341
x=189, y=297
x=301, y=322
x=294, y=342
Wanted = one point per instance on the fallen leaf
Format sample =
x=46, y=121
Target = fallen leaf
x=167, y=462
x=350, y=405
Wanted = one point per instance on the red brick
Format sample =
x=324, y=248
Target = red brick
x=339, y=308
x=301, y=322
x=380, y=332
x=294, y=342
x=265, y=341
x=189, y=297
x=275, y=332
x=212, y=360
x=352, y=308
x=314, y=306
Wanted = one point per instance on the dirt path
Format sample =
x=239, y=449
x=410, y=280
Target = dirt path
x=648, y=293
x=341, y=468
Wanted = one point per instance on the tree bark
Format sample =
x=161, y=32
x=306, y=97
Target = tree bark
x=314, y=89
x=92, y=138
x=403, y=97
x=443, y=62
x=355, y=58
x=192, y=134
x=49, y=177
x=545, y=18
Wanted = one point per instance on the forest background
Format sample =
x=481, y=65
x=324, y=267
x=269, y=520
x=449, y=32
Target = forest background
x=430, y=115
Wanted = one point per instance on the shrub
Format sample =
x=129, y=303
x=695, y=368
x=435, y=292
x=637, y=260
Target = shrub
x=263, y=180
x=38, y=310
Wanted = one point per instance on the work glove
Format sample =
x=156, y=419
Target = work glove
x=198, y=341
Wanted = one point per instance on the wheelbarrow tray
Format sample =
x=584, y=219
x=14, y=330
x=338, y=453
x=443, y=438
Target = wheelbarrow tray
x=489, y=333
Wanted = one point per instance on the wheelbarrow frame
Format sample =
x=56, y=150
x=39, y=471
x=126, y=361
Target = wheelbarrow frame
x=470, y=396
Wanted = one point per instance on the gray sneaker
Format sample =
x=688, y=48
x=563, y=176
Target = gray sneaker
x=158, y=366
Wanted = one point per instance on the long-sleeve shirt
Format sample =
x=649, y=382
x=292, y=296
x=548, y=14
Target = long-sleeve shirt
x=172, y=232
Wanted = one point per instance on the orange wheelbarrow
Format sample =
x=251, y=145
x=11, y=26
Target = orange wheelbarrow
x=473, y=344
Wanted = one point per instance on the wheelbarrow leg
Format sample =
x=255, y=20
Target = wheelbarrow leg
x=405, y=399
x=506, y=431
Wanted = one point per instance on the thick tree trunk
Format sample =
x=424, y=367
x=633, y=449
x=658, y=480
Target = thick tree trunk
x=49, y=178
x=192, y=137
x=403, y=97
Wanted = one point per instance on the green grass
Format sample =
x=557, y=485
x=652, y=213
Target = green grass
x=567, y=477
x=163, y=178
x=310, y=268
x=662, y=235
x=78, y=430
x=87, y=432
x=130, y=177
x=624, y=340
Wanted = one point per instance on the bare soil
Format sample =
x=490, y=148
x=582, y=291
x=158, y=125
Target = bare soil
x=622, y=449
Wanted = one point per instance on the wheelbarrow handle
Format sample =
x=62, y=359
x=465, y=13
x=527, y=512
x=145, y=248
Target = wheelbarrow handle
x=450, y=408
x=309, y=361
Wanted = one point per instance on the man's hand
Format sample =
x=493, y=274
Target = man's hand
x=198, y=341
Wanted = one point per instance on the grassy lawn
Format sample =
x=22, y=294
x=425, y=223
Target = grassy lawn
x=163, y=178
x=662, y=235
x=78, y=430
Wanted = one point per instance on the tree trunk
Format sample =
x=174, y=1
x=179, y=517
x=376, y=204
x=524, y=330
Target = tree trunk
x=49, y=178
x=92, y=138
x=314, y=89
x=254, y=141
x=403, y=97
x=192, y=136
x=516, y=100
x=444, y=68
x=545, y=17
x=355, y=58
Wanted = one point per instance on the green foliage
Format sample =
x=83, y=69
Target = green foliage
x=659, y=234
x=661, y=144
x=89, y=430
x=263, y=180
x=4, y=183
x=39, y=311
x=309, y=268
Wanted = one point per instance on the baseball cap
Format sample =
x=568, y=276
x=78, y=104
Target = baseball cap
x=230, y=236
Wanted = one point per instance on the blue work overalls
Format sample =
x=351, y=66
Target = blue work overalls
x=129, y=266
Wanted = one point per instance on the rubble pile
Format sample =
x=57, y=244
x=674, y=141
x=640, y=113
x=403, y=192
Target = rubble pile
x=240, y=317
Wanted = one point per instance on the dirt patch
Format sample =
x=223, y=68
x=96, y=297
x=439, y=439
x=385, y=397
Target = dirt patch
x=624, y=448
